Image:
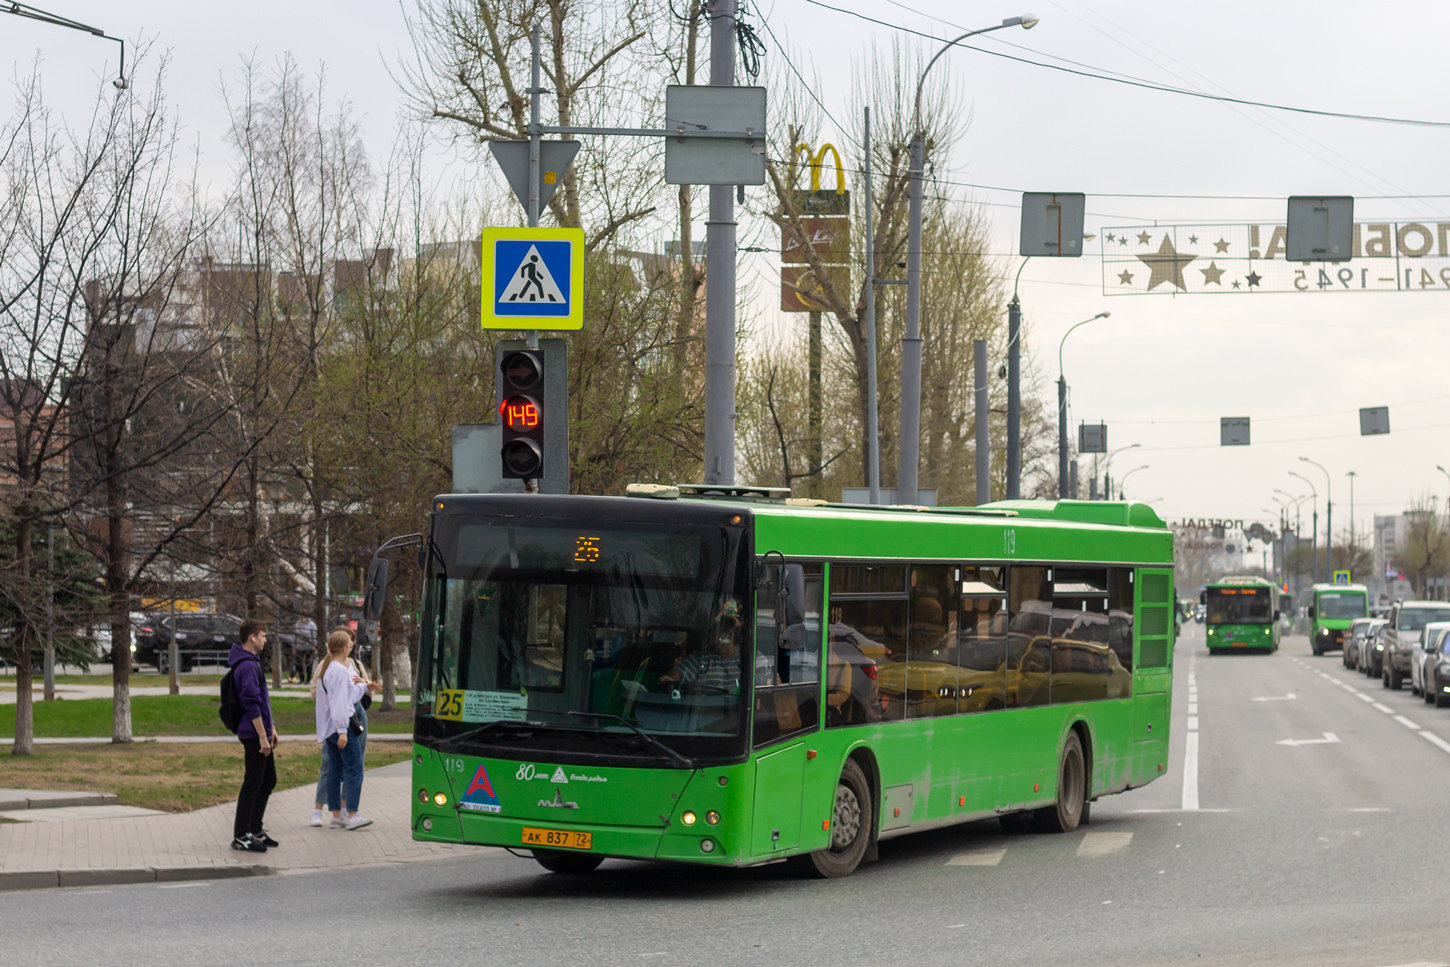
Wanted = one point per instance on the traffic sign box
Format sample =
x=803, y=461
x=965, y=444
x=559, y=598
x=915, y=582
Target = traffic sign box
x=533, y=278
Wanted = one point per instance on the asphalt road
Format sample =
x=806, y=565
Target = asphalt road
x=1322, y=852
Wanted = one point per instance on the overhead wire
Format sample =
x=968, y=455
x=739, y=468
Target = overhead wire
x=1099, y=74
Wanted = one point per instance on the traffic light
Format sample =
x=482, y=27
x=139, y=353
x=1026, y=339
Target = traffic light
x=521, y=413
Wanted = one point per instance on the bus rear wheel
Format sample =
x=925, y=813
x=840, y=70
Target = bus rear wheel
x=558, y=862
x=1065, y=815
x=852, y=820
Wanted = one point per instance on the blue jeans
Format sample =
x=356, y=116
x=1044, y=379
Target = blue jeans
x=344, y=773
x=324, y=768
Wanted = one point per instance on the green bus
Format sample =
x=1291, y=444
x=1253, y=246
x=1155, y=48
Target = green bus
x=1335, y=607
x=726, y=676
x=1241, y=615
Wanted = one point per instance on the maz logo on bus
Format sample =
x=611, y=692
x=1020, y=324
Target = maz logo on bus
x=1009, y=541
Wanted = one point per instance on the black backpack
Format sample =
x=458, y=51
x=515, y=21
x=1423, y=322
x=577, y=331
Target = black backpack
x=231, y=706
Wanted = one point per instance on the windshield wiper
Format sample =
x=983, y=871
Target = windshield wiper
x=676, y=759
x=481, y=732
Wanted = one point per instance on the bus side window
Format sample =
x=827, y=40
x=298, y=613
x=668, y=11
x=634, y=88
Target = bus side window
x=1029, y=627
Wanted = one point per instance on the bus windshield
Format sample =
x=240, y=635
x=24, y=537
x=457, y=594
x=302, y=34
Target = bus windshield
x=1342, y=604
x=1233, y=606
x=580, y=638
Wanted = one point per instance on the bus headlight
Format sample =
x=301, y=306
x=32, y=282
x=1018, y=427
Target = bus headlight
x=687, y=817
x=713, y=818
x=440, y=799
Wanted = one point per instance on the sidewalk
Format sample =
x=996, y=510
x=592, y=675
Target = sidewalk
x=187, y=739
x=196, y=845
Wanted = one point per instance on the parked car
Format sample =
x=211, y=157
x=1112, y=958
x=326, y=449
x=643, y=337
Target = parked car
x=1423, y=653
x=1371, y=649
x=1407, y=620
x=1436, y=676
x=1354, y=641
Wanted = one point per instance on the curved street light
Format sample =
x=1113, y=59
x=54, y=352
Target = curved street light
x=909, y=460
x=1062, y=407
x=1124, y=479
x=1328, y=516
x=1313, y=520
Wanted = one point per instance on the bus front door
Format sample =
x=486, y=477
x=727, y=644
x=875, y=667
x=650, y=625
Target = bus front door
x=778, y=778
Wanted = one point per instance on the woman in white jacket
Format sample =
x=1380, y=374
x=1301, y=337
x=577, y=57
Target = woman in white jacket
x=338, y=690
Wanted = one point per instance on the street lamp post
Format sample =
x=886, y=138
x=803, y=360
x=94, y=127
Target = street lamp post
x=1349, y=556
x=1124, y=480
x=1328, y=518
x=910, y=445
x=1314, y=521
x=1062, y=408
x=1108, y=465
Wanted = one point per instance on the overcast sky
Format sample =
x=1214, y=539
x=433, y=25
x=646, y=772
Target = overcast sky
x=1164, y=368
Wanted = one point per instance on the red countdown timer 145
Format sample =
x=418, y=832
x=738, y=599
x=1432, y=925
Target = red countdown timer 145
x=519, y=413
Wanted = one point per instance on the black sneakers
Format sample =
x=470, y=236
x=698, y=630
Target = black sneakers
x=265, y=838
x=249, y=845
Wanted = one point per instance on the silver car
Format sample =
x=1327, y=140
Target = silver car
x=1407, y=620
x=1434, y=664
x=1425, y=647
x=1354, y=641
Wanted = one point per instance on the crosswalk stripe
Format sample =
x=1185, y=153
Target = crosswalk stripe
x=1101, y=844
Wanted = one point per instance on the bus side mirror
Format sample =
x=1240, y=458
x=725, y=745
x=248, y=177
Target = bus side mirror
x=1311, y=612
x=1276, y=615
x=1203, y=597
x=793, y=594
x=377, y=589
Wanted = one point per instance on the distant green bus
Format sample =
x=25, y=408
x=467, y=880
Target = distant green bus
x=1241, y=615
x=730, y=678
x=1335, y=608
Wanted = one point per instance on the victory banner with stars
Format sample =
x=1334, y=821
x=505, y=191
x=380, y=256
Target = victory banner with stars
x=1197, y=259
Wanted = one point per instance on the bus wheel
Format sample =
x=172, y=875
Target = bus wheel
x=1066, y=813
x=851, y=824
x=559, y=862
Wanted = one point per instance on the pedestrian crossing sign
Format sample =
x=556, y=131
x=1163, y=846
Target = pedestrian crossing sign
x=533, y=278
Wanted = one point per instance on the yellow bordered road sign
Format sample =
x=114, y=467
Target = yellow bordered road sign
x=533, y=278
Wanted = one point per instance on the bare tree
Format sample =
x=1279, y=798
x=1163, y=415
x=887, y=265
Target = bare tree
x=1426, y=551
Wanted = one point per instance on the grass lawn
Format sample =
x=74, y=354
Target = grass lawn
x=179, y=715
x=175, y=778
x=137, y=678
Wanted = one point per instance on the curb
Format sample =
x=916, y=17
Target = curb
x=116, y=876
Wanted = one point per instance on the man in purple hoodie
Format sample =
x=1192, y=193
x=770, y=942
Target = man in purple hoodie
x=258, y=737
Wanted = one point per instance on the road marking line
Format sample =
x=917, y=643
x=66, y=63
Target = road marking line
x=1359, y=695
x=981, y=857
x=1193, y=723
x=1407, y=723
x=1329, y=739
x=1431, y=736
x=1384, y=708
x=1101, y=844
x=1372, y=809
x=1190, y=773
x=955, y=926
x=1276, y=698
x=1192, y=708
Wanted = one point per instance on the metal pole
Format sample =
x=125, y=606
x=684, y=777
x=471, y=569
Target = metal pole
x=1351, y=518
x=909, y=451
x=1014, y=400
x=983, y=454
x=873, y=431
x=535, y=146
x=173, y=653
x=1061, y=436
x=813, y=405
x=720, y=279
x=1314, y=522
